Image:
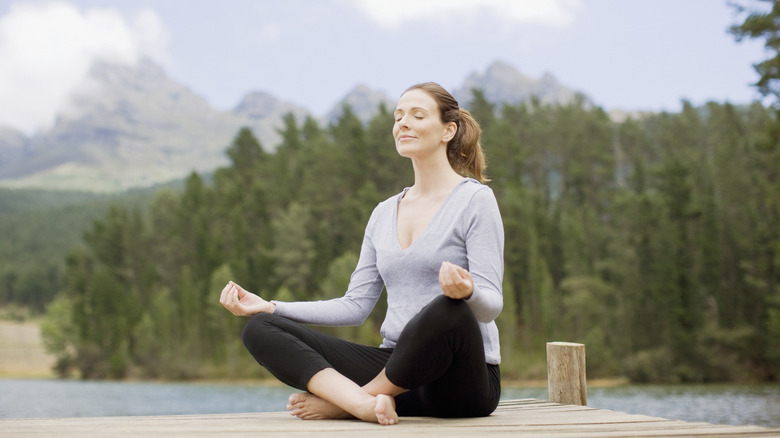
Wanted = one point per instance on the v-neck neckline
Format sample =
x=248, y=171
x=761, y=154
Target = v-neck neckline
x=428, y=225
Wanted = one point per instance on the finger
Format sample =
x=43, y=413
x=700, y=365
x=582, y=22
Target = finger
x=460, y=277
x=463, y=278
x=447, y=274
x=445, y=268
x=443, y=278
x=231, y=292
x=225, y=299
x=232, y=301
x=224, y=294
x=448, y=288
x=240, y=291
x=462, y=273
x=455, y=268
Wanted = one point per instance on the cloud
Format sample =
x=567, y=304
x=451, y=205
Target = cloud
x=46, y=49
x=392, y=13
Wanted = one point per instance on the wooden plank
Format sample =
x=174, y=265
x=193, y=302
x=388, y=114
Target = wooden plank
x=523, y=418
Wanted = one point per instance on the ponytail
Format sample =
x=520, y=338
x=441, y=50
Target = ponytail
x=464, y=151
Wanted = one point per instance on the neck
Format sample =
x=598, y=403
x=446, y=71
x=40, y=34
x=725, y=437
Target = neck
x=434, y=176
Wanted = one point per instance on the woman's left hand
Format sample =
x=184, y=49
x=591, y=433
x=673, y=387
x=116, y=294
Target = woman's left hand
x=455, y=281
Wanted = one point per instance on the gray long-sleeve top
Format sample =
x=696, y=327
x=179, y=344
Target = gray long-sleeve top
x=466, y=231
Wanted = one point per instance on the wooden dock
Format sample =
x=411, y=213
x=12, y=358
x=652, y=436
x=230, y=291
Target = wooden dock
x=522, y=418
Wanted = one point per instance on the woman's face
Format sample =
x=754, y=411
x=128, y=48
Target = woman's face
x=418, y=129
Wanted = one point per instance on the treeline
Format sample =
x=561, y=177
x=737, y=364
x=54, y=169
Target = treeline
x=33, y=245
x=656, y=242
x=38, y=229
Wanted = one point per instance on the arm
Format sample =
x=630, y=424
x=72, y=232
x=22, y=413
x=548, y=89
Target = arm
x=485, y=252
x=352, y=309
x=365, y=287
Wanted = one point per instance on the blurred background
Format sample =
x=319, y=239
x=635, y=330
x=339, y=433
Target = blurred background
x=152, y=151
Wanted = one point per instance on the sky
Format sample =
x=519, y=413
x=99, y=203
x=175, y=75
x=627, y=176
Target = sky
x=624, y=54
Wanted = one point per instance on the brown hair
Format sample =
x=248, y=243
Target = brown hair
x=464, y=151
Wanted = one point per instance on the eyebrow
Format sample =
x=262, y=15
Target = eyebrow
x=416, y=108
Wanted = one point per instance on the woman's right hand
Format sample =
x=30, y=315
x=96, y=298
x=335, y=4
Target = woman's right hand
x=242, y=303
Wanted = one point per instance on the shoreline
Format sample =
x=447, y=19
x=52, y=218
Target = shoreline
x=595, y=383
x=23, y=357
x=513, y=383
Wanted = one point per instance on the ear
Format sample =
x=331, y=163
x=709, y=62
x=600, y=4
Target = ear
x=450, y=129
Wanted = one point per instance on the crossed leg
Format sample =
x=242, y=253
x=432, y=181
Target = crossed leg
x=326, y=367
x=331, y=395
x=332, y=370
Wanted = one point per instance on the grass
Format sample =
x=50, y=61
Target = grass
x=21, y=351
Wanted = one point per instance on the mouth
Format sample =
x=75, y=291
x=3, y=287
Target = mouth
x=405, y=137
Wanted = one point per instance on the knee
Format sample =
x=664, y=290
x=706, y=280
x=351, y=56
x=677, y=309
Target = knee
x=445, y=311
x=450, y=306
x=256, y=328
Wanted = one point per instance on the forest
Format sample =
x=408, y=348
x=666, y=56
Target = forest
x=653, y=240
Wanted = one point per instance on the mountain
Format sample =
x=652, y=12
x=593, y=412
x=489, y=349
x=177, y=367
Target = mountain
x=363, y=101
x=132, y=126
x=126, y=127
x=263, y=113
x=502, y=83
x=13, y=144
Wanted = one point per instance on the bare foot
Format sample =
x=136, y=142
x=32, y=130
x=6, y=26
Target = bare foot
x=308, y=406
x=385, y=410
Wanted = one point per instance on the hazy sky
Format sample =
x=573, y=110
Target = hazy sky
x=624, y=54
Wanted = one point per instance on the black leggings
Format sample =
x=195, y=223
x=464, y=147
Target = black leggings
x=439, y=357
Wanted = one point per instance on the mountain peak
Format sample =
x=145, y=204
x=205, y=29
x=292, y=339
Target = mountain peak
x=504, y=72
x=363, y=101
x=548, y=78
x=257, y=105
x=503, y=83
x=142, y=71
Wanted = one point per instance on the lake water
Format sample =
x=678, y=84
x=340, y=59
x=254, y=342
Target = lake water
x=721, y=404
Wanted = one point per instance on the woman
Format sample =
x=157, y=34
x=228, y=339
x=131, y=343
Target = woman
x=437, y=247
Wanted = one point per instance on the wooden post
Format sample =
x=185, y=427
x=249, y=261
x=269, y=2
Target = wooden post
x=566, y=373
